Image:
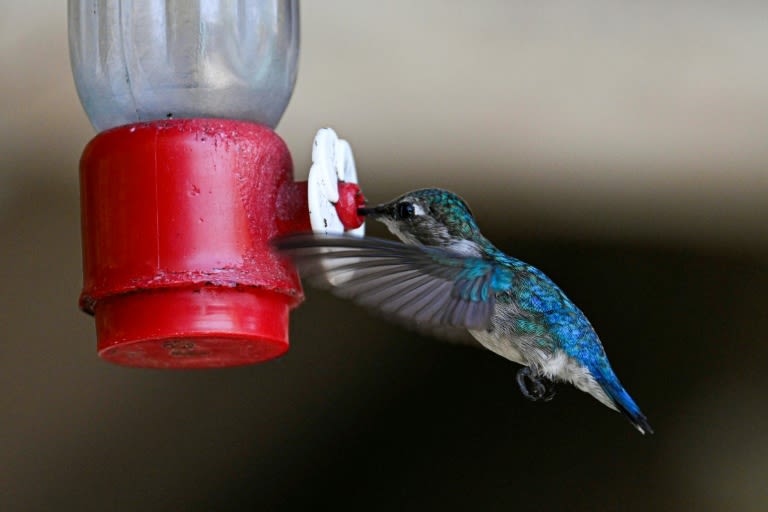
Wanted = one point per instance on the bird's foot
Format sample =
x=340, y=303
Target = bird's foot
x=534, y=386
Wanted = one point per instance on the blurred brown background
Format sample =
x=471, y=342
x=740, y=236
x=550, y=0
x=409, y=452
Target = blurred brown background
x=620, y=147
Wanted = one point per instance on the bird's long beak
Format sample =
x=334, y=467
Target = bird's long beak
x=372, y=212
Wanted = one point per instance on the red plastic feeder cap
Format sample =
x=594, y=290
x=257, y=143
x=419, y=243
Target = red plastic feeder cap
x=177, y=217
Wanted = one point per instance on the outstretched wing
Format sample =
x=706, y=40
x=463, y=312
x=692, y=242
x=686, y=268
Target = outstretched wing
x=425, y=286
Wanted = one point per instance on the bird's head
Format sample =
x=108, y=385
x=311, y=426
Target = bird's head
x=431, y=217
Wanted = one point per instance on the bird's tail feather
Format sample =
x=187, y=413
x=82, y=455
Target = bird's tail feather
x=626, y=405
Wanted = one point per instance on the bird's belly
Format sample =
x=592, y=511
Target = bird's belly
x=554, y=365
x=499, y=344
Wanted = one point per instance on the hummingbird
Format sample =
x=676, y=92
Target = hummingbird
x=446, y=278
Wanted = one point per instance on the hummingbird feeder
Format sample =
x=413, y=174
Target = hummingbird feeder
x=186, y=182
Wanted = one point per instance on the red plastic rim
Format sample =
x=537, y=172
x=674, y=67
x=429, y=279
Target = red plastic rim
x=192, y=328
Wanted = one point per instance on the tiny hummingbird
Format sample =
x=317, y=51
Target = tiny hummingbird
x=447, y=278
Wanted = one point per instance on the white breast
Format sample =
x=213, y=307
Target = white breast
x=499, y=345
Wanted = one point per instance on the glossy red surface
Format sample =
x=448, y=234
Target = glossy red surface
x=350, y=199
x=176, y=221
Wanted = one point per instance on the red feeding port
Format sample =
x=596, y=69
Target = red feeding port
x=176, y=221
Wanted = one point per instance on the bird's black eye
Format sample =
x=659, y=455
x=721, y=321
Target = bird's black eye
x=405, y=210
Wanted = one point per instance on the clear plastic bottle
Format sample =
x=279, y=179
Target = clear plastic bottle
x=143, y=60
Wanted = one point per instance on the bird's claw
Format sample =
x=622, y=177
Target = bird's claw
x=535, y=387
